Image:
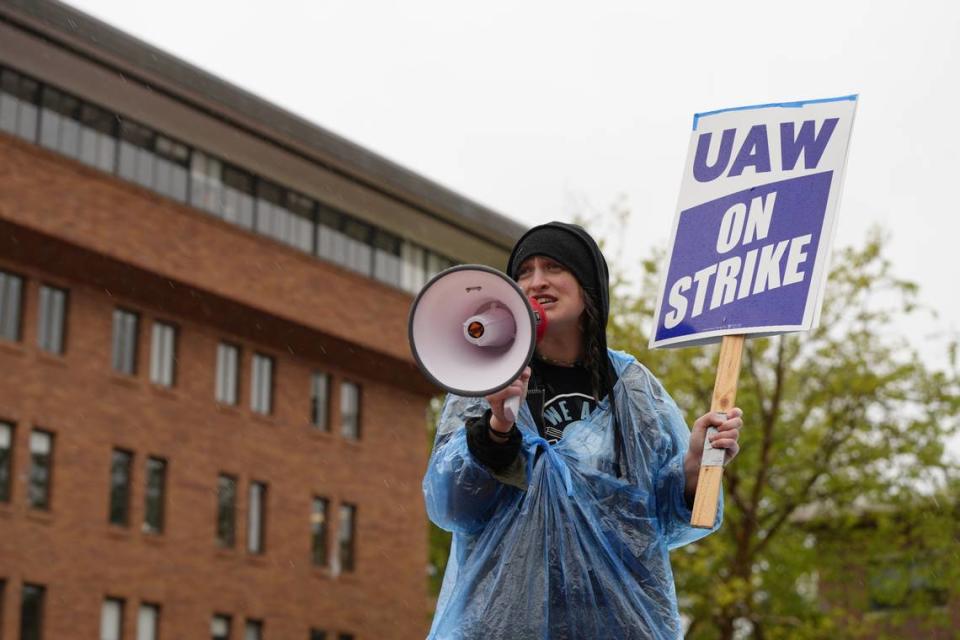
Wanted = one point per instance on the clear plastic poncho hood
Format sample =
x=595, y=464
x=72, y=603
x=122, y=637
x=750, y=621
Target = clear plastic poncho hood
x=580, y=553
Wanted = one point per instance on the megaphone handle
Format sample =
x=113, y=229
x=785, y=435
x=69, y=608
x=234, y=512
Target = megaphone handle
x=511, y=408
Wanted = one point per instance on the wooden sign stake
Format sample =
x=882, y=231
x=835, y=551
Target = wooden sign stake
x=711, y=464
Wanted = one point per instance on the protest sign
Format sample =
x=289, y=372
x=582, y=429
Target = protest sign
x=754, y=221
x=750, y=240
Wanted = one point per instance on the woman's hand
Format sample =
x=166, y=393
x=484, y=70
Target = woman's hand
x=727, y=437
x=499, y=421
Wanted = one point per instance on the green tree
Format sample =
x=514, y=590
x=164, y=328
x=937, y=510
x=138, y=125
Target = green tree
x=843, y=473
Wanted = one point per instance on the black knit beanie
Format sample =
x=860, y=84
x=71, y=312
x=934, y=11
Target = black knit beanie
x=575, y=249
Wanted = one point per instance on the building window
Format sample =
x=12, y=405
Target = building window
x=98, y=146
x=414, y=267
x=350, y=410
x=224, y=191
x=11, y=288
x=320, y=401
x=51, y=319
x=253, y=630
x=228, y=360
x=153, y=161
x=148, y=621
x=256, y=518
x=59, y=129
x=77, y=130
x=285, y=216
x=206, y=188
x=359, y=253
x=318, y=527
x=238, y=200
x=18, y=105
x=163, y=354
x=220, y=627
x=170, y=177
x=6, y=460
x=226, y=510
x=31, y=611
x=317, y=634
x=344, y=240
x=111, y=619
x=386, y=258
x=41, y=469
x=125, y=341
x=261, y=384
x=121, y=464
x=153, y=513
x=330, y=244
x=436, y=264
x=346, y=537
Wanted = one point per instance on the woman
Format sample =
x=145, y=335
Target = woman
x=563, y=521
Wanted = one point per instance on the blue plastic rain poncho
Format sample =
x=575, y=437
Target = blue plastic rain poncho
x=580, y=553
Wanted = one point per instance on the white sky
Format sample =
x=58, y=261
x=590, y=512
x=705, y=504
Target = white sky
x=542, y=109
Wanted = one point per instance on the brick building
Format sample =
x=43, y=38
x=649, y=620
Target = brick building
x=210, y=423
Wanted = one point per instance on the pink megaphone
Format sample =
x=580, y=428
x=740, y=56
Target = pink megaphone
x=473, y=331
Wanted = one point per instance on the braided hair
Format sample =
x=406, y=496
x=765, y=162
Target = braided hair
x=594, y=354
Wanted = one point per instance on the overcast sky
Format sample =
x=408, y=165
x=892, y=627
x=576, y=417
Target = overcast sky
x=543, y=109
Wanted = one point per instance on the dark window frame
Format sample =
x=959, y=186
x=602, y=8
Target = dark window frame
x=257, y=545
x=238, y=367
x=15, y=317
x=16, y=86
x=226, y=514
x=261, y=394
x=45, y=323
x=6, y=462
x=174, y=347
x=154, y=507
x=320, y=532
x=118, y=509
x=123, y=613
x=131, y=349
x=40, y=593
x=157, y=611
x=253, y=623
x=228, y=619
x=347, y=546
x=320, y=415
x=46, y=490
x=353, y=435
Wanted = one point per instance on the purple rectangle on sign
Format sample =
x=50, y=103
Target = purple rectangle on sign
x=745, y=261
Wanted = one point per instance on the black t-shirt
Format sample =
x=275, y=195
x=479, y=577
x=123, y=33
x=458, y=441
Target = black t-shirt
x=557, y=396
x=567, y=397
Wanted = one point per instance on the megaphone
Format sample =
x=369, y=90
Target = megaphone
x=473, y=331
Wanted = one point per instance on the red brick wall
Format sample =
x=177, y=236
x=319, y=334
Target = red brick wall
x=91, y=409
x=53, y=195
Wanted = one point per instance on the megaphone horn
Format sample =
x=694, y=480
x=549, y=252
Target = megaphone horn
x=473, y=331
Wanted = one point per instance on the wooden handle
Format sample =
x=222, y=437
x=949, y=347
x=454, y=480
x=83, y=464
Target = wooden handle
x=711, y=464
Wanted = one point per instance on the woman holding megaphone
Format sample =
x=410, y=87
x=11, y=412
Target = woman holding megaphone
x=563, y=515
